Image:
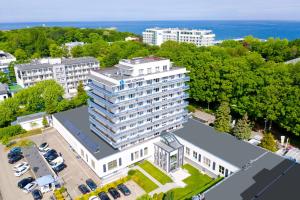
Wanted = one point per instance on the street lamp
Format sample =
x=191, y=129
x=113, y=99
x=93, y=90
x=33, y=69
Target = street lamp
x=265, y=124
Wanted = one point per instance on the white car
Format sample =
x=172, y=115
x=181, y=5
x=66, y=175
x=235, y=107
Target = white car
x=29, y=187
x=57, y=161
x=94, y=198
x=43, y=146
x=20, y=165
x=43, y=152
x=22, y=170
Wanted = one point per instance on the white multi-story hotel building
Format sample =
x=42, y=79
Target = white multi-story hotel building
x=157, y=36
x=137, y=100
x=66, y=71
x=5, y=60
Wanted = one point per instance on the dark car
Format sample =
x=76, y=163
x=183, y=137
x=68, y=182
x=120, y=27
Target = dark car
x=114, y=193
x=16, y=150
x=92, y=185
x=22, y=183
x=13, y=153
x=52, y=157
x=50, y=152
x=124, y=189
x=15, y=159
x=59, y=167
x=36, y=194
x=103, y=196
x=83, y=189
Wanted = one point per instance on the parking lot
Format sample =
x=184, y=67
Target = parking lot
x=77, y=171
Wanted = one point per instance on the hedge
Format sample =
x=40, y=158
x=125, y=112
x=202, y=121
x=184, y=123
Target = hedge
x=11, y=131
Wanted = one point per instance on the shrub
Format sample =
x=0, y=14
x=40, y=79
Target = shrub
x=191, y=108
x=11, y=131
x=131, y=172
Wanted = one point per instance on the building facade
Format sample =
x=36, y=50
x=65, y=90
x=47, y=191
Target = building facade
x=68, y=72
x=5, y=60
x=3, y=91
x=157, y=36
x=137, y=100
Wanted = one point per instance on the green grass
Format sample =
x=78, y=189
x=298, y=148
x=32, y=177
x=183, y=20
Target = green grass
x=27, y=134
x=196, y=183
x=155, y=172
x=15, y=88
x=142, y=180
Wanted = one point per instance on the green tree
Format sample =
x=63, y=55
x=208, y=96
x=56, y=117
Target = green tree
x=3, y=77
x=169, y=196
x=268, y=142
x=45, y=121
x=223, y=118
x=242, y=129
x=57, y=51
x=20, y=54
x=77, y=51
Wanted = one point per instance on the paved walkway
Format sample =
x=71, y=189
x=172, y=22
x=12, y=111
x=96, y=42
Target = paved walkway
x=161, y=188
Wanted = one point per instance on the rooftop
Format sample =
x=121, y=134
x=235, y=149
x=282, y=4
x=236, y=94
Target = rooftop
x=222, y=145
x=142, y=60
x=178, y=29
x=77, y=123
x=30, y=117
x=3, y=88
x=269, y=177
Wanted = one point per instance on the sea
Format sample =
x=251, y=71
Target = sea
x=223, y=29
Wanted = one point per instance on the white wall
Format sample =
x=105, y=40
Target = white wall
x=213, y=158
x=3, y=96
x=125, y=155
x=32, y=124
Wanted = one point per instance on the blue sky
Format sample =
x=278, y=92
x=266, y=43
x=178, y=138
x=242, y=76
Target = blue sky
x=122, y=10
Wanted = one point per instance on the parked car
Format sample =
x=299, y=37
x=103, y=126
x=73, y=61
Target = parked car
x=47, y=188
x=43, y=146
x=50, y=152
x=22, y=183
x=83, y=189
x=103, y=196
x=92, y=185
x=29, y=187
x=43, y=152
x=59, y=167
x=13, y=154
x=52, y=157
x=114, y=193
x=16, y=150
x=124, y=189
x=37, y=194
x=94, y=198
x=18, y=166
x=22, y=170
x=57, y=161
x=15, y=158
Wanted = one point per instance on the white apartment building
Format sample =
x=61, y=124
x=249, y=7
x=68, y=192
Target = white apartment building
x=5, y=60
x=137, y=100
x=68, y=72
x=157, y=36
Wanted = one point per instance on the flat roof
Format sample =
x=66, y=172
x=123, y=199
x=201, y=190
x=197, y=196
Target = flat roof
x=222, y=145
x=270, y=177
x=76, y=121
x=142, y=60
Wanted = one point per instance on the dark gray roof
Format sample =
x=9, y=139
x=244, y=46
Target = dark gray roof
x=270, y=177
x=222, y=145
x=77, y=123
x=35, y=65
x=30, y=117
x=3, y=88
x=81, y=60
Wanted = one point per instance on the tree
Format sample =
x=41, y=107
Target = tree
x=81, y=94
x=169, y=196
x=45, y=121
x=242, y=129
x=268, y=142
x=3, y=77
x=57, y=51
x=223, y=118
x=20, y=54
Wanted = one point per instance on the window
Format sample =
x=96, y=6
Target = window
x=226, y=172
x=146, y=151
x=131, y=96
x=122, y=108
x=112, y=164
x=214, y=166
x=206, y=161
x=221, y=169
x=93, y=164
x=156, y=69
x=195, y=154
x=139, y=83
x=120, y=161
x=104, y=168
x=122, y=118
x=149, y=70
x=122, y=128
x=131, y=156
x=187, y=151
x=136, y=155
x=82, y=153
x=199, y=158
x=165, y=67
x=121, y=98
x=141, y=71
x=141, y=152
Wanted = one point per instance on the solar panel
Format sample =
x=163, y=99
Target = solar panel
x=89, y=142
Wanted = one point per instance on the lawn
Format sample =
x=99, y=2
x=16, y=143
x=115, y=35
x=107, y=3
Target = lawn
x=155, y=172
x=196, y=183
x=143, y=181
